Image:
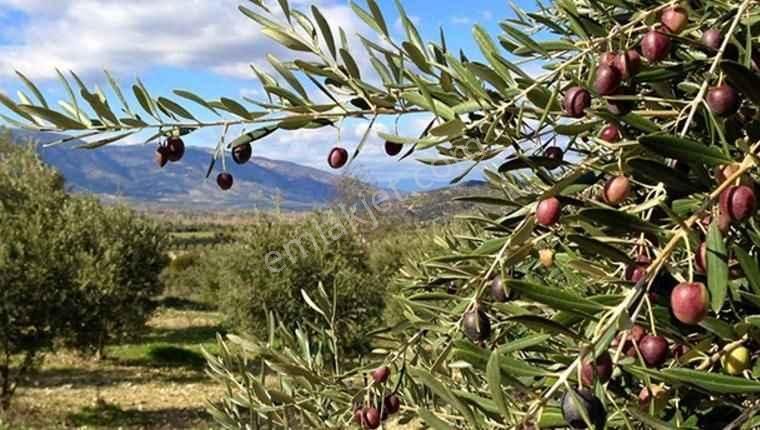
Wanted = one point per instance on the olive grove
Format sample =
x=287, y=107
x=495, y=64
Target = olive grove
x=613, y=284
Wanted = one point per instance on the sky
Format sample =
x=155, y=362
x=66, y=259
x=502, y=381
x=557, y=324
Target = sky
x=206, y=46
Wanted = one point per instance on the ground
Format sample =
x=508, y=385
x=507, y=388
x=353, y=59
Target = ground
x=155, y=382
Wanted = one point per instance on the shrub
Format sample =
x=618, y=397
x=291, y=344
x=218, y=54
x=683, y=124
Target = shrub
x=118, y=257
x=245, y=288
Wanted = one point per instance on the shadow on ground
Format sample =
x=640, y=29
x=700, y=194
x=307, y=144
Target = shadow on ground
x=108, y=415
x=182, y=304
x=77, y=377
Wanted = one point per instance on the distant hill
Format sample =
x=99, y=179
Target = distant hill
x=129, y=173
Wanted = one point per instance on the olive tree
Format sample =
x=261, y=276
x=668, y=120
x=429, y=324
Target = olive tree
x=614, y=282
x=72, y=271
x=33, y=272
x=118, y=258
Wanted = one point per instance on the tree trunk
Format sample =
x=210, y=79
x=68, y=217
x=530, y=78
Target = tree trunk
x=5, y=392
x=100, y=353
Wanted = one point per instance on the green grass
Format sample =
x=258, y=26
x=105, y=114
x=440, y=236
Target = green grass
x=107, y=415
x=170, y=347
x=177, y=356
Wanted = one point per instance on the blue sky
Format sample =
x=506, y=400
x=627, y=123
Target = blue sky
x=206, y=46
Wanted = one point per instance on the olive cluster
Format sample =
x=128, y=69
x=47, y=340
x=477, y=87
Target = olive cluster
x=371, y=416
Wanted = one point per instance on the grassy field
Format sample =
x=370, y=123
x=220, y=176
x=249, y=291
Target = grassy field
x=155, y=382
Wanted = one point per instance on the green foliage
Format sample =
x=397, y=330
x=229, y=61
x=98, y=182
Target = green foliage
x=70, y=268
x=246, y=281
x=118, y=258
x=33, y=263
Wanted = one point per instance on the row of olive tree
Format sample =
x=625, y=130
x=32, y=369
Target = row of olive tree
x=72, y=271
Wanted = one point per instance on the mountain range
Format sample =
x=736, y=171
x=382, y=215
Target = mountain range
x=128, y=173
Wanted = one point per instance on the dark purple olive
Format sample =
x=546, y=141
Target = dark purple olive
x=554, y=155
x=393, y=148
x=225, y=181
x=585, y=400
x=577, y=100
x=392, y=404
x=476, y=325
x=607, y=80
x=498, y=290
x=712, y=39
x=600, y=369
x=637, y=270
x=175, y=148
x=723, y=100
x=654, y=350
x=628, y=63
x=655, y=46
x=337, y=158
x=241, y=154
x=161, y=156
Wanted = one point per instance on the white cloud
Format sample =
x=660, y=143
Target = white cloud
x=463, y=20
x=88, y=35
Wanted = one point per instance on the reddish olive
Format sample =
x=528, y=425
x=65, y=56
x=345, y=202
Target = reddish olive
x=576, y=101
x=689, y=302
x=675, y=19
x=738, y=202
x=655, y=46
x=337, y=158
x=628, y=63
x=607, y=80
x=548, y=211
